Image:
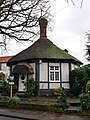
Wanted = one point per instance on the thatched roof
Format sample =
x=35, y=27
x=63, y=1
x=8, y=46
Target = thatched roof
x=43, y=48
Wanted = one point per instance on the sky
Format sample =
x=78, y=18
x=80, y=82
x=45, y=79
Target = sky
x=68, y=29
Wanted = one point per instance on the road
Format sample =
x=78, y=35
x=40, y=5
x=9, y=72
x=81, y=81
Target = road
x=16, y=114
x=9, y=118
x=63, y=117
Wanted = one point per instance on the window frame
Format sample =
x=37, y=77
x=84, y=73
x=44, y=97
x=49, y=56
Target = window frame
x=53, y=70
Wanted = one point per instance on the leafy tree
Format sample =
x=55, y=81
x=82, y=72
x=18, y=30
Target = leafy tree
x=88, y=87
x=78, y=79
x=85, y=98
x=88, y=46
x=86, y=71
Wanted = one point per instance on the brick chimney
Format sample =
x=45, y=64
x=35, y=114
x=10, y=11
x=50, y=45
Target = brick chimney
x=43, y=26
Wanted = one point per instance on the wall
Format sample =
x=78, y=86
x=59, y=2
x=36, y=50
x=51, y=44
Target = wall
x=5, y=69
x=65, y=75
x=44, y=76
x=73, y=66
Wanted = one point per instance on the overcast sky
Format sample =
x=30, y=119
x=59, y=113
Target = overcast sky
x=68, y=29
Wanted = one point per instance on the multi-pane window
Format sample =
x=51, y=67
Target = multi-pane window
x=54, y=73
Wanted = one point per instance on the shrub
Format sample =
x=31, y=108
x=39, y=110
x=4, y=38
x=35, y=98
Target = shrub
x=4, y=87
x=85, y=101
x=31, y=87
x=57, y=91
x=78, y=79
x=4, y=98
x=62, y=101
x=88, y=87
x=14, y=100
x=76, y=82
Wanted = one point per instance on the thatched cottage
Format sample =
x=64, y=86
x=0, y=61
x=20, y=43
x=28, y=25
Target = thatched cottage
x=43, y=60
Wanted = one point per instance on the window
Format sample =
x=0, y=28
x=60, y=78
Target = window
x=22, y=77
x=54, y=73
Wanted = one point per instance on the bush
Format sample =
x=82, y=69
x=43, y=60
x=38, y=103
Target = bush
x=4, y=98
x=31, y=87
x=4, y=87
x=14, y=100
x=57, y=91
x=62, y=101
x=76, y=82
x=85, y=101
x=88, y=87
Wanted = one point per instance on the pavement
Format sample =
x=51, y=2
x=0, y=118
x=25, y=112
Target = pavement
x=38, y=115
x=21, y=114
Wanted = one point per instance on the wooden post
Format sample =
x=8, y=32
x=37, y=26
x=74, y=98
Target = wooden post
x=10, y=90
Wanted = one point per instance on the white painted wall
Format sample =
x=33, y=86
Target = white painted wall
x=43, y=85
x=73, y=66
x=5, y=69
x=66, y=85
x=54, y=64
x=65, y=71
x=43, y=72
x=43, y=76
x=54, y=85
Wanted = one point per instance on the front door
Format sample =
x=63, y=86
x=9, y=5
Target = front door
x=22, y=80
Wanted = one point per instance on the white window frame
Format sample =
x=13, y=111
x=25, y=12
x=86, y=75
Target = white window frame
x=54, y=71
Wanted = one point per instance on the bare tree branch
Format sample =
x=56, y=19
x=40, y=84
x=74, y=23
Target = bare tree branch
x=19, y=18
x=81, y=3
x=74, y=2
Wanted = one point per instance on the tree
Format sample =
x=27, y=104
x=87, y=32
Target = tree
x=74, y=2
x=88, y=47
x=78, y=79
x=19, y=18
